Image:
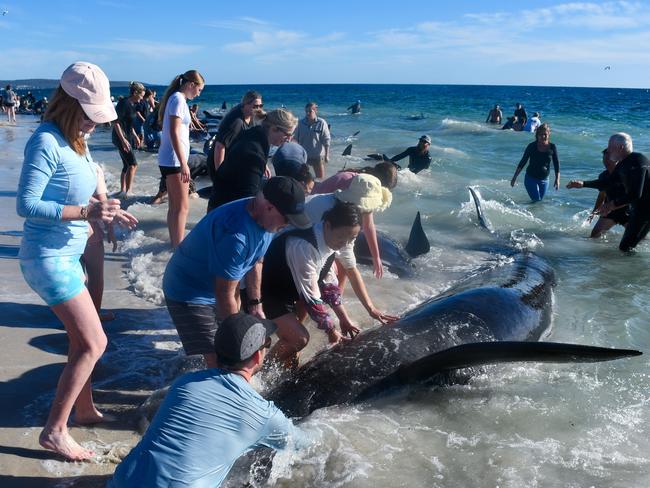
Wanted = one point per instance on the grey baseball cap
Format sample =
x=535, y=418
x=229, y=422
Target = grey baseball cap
x=241, y=335
x=426, y=138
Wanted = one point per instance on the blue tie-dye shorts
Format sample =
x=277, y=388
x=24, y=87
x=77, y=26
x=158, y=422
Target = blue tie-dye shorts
x=55, y=279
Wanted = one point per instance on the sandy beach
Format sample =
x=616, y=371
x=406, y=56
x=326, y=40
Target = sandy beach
x=34, y=352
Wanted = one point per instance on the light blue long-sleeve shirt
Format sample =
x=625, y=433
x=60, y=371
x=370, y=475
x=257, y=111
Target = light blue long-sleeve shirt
x=208, y=419
x=53, y=175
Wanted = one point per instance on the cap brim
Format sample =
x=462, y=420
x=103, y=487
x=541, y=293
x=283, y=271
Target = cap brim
x=301, y=220
x=100, y=114
x=269, y=325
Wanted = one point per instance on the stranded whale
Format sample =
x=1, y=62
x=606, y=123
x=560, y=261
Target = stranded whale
x=494, y=316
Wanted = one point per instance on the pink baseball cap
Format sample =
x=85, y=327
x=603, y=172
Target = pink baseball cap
x=88, y=84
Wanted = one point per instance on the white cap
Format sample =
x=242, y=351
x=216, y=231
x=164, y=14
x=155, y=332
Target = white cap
x=88, y=84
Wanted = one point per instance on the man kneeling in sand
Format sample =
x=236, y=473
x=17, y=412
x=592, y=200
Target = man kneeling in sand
x=211, y=417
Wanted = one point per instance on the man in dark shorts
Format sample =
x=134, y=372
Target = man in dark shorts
x=201, y=282
x=494, y=116
x=609, y=188
x=633, y=170
x=124, y=136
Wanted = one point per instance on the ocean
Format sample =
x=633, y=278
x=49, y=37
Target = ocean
x=514, y=425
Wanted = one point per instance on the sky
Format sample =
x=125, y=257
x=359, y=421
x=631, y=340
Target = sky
x=542, y=43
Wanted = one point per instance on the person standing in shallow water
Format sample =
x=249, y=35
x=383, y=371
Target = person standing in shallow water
x=313, y=134
x=540, y=154
x=57, y=181
x=174, y=118
x=124, y=136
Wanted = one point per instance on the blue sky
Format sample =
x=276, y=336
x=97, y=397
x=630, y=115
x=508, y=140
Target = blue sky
x=464, y=42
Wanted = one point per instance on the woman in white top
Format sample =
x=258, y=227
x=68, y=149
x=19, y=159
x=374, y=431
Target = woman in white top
x=174, y=117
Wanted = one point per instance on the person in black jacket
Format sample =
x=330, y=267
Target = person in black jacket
x=609, y=188
x=240, y=175
x=419, y=157
x=633, y=170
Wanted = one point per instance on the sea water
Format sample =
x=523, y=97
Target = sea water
x=515, y=425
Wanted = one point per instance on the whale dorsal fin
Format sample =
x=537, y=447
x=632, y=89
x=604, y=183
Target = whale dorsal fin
x=418, y=242
x=482, y=219
x=347, y=151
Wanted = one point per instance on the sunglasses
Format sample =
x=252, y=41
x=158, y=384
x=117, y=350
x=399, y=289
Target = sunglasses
x=258, y=105
x=286, y=133
x=267, y=344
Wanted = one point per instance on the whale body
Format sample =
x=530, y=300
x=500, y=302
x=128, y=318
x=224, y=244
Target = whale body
x=494, y=316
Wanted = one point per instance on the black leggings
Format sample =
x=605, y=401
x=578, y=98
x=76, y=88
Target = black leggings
x=636, y=230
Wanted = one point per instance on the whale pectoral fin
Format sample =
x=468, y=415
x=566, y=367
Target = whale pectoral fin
x=205, y=192
x=418, y=242
x=482, y=353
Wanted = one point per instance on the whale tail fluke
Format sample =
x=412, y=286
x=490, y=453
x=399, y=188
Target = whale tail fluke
x=482, y=219
x=482, y=353
x=418, y=242
x=348, y=150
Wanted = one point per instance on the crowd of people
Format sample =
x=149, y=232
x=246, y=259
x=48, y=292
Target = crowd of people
x=276, y=246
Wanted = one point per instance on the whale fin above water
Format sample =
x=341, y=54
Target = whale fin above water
x=347, y=151
x=482, y=353
x=418, y=242
x=482, y=219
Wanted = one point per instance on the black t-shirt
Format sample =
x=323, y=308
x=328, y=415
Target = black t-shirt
x=126, y=113
x=240, y=175
x=231, y=126
x=521, y=115
x=608, y=182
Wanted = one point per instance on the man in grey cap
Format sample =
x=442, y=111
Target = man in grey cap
x=209, y=418
x=419, y=157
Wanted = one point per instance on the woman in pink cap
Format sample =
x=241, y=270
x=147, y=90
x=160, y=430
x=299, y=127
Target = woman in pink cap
x=54, y=195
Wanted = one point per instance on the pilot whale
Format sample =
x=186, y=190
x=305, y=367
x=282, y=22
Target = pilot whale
x=494, y=316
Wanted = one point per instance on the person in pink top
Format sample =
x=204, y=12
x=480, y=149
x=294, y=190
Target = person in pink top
x=386, y=173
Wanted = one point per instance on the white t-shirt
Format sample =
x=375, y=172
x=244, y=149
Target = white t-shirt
x=176, y=107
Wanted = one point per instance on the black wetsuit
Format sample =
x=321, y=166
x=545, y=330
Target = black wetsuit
x=634, y=173
x=241, y=173
x=355, y=107
x=540, y=162
x=613, y=188
x=417, y=160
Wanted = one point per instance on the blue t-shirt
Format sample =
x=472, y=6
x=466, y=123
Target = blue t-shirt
x=208, y=419
x=53, y=175
x=226, y=243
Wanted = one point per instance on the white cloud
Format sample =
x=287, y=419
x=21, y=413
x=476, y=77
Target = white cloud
x=148, y=48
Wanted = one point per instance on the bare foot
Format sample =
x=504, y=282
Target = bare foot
x=63, y=444
x=92, y=418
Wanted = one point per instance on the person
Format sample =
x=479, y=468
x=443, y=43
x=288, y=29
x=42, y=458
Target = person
x=9, y=103
x=419, y=157
x=533, y=123
x=152, y=129
x=386, y=172
x=495, y=115
x=290, y=159
x=364, y=191
x=633, y=170
x=313, y=134
x=201, y=281
x=237, y=120
x=355, y=107
x=522, y=116
x=174, y=117
x=124, y=136
x=297, y=267
x=57, y=181
x=609, y=188
x=93, y=255
x=540, y=153
x=510, y=123
x=241, y=173
x=210, y=418
x=197, y=129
